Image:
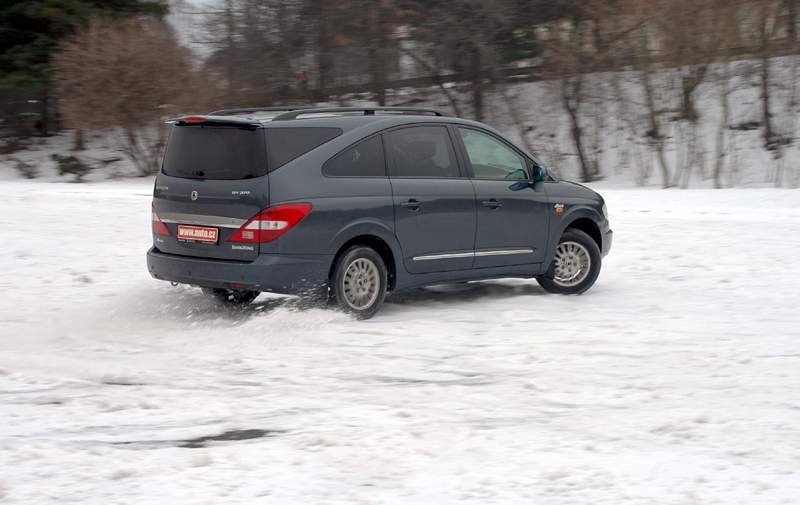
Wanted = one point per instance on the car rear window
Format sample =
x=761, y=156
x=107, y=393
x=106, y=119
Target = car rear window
x=286, y=144
x=215, y=152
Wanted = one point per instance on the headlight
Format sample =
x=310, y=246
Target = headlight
x=605, y=211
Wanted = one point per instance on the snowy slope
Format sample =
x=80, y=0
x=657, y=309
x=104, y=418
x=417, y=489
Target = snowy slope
x=673, y=381
x=614, y=119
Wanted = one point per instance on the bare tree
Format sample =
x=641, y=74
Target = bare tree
x=570, y=57
x=641, y=67
x=690, y=52
x=465, y=37
x=643, y=48
x=129, y=75
x=438, y=79
x=727, y=33
x=584, y=43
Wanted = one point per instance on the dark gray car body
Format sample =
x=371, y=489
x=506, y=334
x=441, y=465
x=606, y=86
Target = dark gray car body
x=454, y=229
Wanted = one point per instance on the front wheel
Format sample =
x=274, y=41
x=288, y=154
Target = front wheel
x=576, y=264
x=360, y=281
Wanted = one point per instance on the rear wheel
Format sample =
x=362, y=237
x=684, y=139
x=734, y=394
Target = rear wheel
x=232, y=297
x=360, y=281
x=575, y=266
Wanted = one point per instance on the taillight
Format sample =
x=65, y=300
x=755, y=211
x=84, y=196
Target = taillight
x=271, y=223
x=159, y=228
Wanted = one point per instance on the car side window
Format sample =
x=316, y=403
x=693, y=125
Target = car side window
x=491, y=158
x=364, y=159
x=286, y=144
x=422, y=152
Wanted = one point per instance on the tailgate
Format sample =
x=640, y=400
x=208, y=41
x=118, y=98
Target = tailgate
x=213, y=181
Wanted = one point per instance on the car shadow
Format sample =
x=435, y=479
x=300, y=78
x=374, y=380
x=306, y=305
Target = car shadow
x=468, y=291
x=187, y=303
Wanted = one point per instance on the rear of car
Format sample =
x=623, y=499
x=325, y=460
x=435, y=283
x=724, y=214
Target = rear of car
x=211, y=215
x=213, y=182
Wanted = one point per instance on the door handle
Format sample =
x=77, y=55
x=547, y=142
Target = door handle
x=411, y=204
x=492, y=204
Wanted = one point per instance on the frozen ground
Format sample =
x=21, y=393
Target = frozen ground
x=676, y=380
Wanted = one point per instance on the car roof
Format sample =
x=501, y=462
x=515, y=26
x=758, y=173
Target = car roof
x=356, y=121
x=345, y=118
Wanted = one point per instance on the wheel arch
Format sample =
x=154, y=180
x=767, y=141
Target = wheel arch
x=374, y=236
x=582, y=218
x=589, y=227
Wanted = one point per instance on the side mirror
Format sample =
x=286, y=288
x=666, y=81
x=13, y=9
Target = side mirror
x=539, y=173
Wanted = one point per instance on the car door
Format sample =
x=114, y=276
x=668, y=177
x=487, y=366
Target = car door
x=512, y=211
x=435, y=214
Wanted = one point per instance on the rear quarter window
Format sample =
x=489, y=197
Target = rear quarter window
x=364, y=159
x=286, y=144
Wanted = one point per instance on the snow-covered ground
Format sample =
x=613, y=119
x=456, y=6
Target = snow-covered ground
x=675, y=380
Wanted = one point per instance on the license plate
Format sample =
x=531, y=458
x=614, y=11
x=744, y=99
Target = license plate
x=198, y=233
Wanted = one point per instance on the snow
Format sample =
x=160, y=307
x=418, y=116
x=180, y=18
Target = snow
x=103, y=154
x=615, y=123
x=674, y=380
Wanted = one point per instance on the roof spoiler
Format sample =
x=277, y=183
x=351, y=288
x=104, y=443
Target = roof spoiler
x=210, y=120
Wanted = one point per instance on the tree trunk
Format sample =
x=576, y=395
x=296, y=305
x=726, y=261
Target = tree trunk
x=323, y=49
x=769, y=132
x=693, y=154
x=571, y=94
x=78, y=143
x=765, y=35
x=377, y=52
x=44, y=113
x=437, y=78
x=791, y=20
x=656, y=138
x=230, y=64
x=516, y=118
x=477, y=84
x=719, y=161
x=145, y=152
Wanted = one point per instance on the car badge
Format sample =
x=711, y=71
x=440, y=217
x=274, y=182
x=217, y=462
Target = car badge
x=194, y=195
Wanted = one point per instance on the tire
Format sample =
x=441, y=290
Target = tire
x=232, y=297
x=360, y=281
x=581, y=259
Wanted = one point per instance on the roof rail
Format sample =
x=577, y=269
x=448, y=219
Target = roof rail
x=245, y=110
x=366, y=111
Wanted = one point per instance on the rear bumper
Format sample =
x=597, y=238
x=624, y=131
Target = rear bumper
x=269, y=272
x=608, y=238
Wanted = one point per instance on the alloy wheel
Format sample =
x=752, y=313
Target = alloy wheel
x=361, y=283
x=572, y=264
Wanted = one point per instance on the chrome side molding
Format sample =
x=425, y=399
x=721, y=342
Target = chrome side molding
x=473, y=254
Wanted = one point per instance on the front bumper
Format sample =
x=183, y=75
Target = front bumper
x=608, y=238
x=269, y=272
